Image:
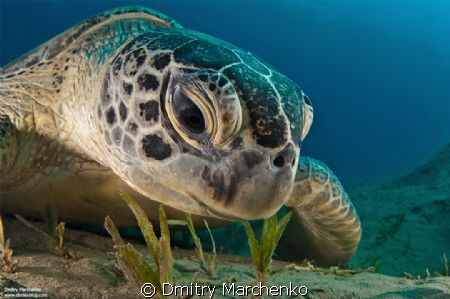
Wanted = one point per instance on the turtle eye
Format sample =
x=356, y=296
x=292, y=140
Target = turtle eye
x=187, y=113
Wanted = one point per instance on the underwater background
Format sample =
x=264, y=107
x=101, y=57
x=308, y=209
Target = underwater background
x=377, y=73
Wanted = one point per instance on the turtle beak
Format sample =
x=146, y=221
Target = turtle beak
x=212, y=213
x=251, y=185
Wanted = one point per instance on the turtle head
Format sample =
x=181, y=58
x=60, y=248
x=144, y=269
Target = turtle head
x=201, y=125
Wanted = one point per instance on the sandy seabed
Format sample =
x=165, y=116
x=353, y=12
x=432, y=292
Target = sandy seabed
x=94, y=274
x=406, y=228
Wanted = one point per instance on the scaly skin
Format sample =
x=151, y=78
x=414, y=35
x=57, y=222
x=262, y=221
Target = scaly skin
x=131, y=100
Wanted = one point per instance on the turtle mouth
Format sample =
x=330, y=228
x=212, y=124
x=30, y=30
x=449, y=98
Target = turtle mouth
x=241, y=189
x=216, y=214
x=212, y=212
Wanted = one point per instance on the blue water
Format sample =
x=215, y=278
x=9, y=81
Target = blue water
x=377, y=71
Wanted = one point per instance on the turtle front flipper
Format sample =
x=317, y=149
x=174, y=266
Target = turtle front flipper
x=325, y=228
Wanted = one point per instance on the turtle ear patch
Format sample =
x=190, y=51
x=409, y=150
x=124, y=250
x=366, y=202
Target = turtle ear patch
x=308, y=115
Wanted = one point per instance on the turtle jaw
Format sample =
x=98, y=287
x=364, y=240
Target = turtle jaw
x=242, y=186
x=248, y=203
x=262, y=199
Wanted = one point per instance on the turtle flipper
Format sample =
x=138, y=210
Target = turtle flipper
x=325, y=227
x=8, y=145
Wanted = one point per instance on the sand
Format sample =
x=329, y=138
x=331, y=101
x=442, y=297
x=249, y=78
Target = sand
x=406, y=220
x=406, y=227
x=94, y=274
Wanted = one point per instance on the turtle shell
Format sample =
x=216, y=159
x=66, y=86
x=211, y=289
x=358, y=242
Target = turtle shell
x=134, y=16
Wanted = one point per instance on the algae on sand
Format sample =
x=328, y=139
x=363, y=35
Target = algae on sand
x=133, y=263
x=7, y=263
x=262, y=250
x=94, y=274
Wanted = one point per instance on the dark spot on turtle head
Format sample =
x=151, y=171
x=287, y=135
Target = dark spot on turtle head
x=223, y=190
x=269, y=131
x=206, y=173
x=147, y=82
x=106, y=98
x=59, y=79
x=185, y=150
x=232, y=187
x=149, y=111
x=123, y=111
x=110, y=116
x=212, y=86
x=133, y=126
x=215, y=180
x=251, y=159
x=128, y=88
x=138, y=55
x=236, y=142
x=154, y=147
x=160, y=61
x=133, y=61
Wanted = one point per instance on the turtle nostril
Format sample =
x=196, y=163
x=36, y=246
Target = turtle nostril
x=279, y=161
x=285, y=157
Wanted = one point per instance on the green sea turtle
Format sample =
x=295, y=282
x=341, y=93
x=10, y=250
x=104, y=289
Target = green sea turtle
x=130, y=99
